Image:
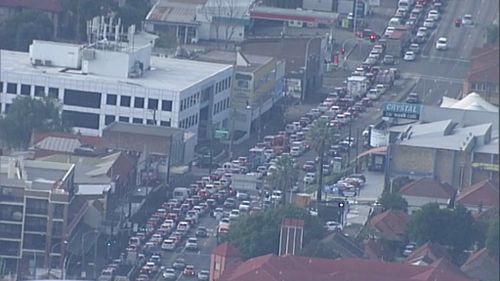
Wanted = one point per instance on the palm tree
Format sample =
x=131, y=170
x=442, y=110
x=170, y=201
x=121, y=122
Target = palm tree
x=284, y=175
x=321, y=136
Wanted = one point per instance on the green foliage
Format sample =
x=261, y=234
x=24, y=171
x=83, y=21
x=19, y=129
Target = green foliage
x=454, y=228
x=134, y=12
x=20, y=29
x=321, y=136
x=77, y=12
x=492, y=33
x=399, y=182
x=393, y=201
x=258, y=234
x=320, y=249
x=26, y=115
x=284, y=176
x=493, y=237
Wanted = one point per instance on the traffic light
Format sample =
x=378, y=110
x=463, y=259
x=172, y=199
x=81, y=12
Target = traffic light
x=373, y=38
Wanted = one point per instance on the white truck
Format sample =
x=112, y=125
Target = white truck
x=249, y=184
x=357, y=85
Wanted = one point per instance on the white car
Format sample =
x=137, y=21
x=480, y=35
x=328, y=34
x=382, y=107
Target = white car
x=422, y=31
x=442, y=44
x=333, y=225
x=414, y=47
x=433, y=14
x=192, y=244
x=244, y=206
x=276, y=195
x=170, y=274
x=409, y=56
x=168, y=244
x=467, y=20
x=429, y=23
x=309, y=178
x=234, y=214
x=389, y=30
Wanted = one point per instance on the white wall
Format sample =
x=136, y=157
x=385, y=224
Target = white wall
x=416, y=202
x=60, y=54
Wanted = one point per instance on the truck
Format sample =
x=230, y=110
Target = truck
x=396, y=42
x=279, y=142
x=357, y=86
x=249, y=184
x=180, y=193
x=256, y=157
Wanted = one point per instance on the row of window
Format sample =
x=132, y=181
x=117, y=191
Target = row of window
x=221, y=106
x=189, y=101
x=189, y=122
x=27, y=90
x=223, y=85
x=108, y=119
x=139, y=102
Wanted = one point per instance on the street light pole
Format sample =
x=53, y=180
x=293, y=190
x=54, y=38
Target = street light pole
x=82, y=246
x=304, y=88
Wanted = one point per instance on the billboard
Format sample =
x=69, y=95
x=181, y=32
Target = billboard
x=402, y=110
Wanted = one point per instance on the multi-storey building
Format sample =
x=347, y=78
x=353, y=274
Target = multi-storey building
x=109, y=81
x=38, y=216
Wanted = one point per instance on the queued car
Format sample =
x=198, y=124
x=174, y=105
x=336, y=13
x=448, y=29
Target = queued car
x=442, y=44
x=409, y=56
x=189, y=270
x=203, y=275
x=169, y=274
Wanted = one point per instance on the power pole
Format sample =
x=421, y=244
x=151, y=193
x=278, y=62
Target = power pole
x=349, y=144
x=357, y=151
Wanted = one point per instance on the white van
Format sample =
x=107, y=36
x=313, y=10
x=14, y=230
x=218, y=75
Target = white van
x=405, y=4
x=180, y=193
x=168, y=244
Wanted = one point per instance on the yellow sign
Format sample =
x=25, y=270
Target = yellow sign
x=486, y=166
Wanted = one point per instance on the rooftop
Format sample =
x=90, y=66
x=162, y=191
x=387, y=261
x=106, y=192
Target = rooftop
x=472, y=101
x=484, y=193
x=427, y=254
x=298, y=268
x=482, y=265
x=390, y=224
x=225, y=57
x=165, y=74
x=427, y=187
x=141, y=129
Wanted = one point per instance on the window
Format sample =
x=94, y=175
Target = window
x=165, y=123
x=137, y=120
x=58, y=211
x=12, y=88
x=38, y=224
x=57, y=229
x=11, y=213
x=124, y=119
x=82, y=119
x=111, y=99
x=7, y=107
x=11, y=194
x=10, y=248
x=229, y=82
x=1, y=87
x=37, y=206
x=54, y=93
x=39, y=91
x=166, y=105
x=153, y=104
x=108, y=119
x=10, y=230
x=138, y=102
x=150, y=122
x=25, y=90
x=34, y=241
x=125, y=101
x=82, y=98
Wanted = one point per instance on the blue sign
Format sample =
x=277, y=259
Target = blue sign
x=402, y=110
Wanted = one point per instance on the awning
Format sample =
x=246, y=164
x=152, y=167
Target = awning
x=376, y=150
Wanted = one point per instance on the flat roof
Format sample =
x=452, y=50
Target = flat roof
x=226, y=57
x=272, y=13
x=165, y=74
x=141, y=129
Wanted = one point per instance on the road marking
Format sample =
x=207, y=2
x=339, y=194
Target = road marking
x=445, y=58
x=431, y=77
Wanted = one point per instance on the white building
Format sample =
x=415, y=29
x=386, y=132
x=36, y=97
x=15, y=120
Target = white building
x=193, y=20
x=107, y=82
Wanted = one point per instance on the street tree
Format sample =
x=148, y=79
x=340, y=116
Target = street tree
x=20, y=29
x=321, y=137
x=224, y=15
x=284, y=176
x=258, y=234
x=393, y=201
x=27, y=115
x=454, y=228
x=493, y=237
x=77, y=12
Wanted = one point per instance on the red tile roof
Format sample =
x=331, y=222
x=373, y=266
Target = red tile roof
x=226, y=250
x=428, y=187
x=42, y=5
x=372, y=249
x=484, y=193
x=482, y=265
x=428, y=252
x=297, y=268
x=390, y=223
x=292, y=222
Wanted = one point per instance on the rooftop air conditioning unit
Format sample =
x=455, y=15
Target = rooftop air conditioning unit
x=37, y=62
x=88, y=54
x=47, y=62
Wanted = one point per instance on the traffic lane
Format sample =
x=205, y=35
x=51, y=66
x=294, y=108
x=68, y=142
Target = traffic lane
x=445, y=69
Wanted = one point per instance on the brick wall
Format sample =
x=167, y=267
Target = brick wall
x=407, y=160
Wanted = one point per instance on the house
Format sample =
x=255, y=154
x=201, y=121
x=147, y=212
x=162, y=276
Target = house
x=427, y=190
x=48, y=143
x=483, y=75
x=480, y=196
x=339, y=244
x=52, y=8
x=299, y=268
x=223, y=256
x=372, y=249
x=390, y=224
x=482, y=265
x=426, y=254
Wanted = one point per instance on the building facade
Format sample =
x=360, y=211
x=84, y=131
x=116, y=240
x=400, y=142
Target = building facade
x=483, y=74
x=101, y=83
x=37, y=216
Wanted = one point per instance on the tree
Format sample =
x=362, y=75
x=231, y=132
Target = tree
x=454, y=228
x=493, y=237
x=20, y=29
x=492, y=33
x=133, y=12
x=258, y=234
x=77, y=12
x=321, y=136
x=26, y=115
x=284, y=176
x=320, y=249
x=225, y=15
x=393, y=201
